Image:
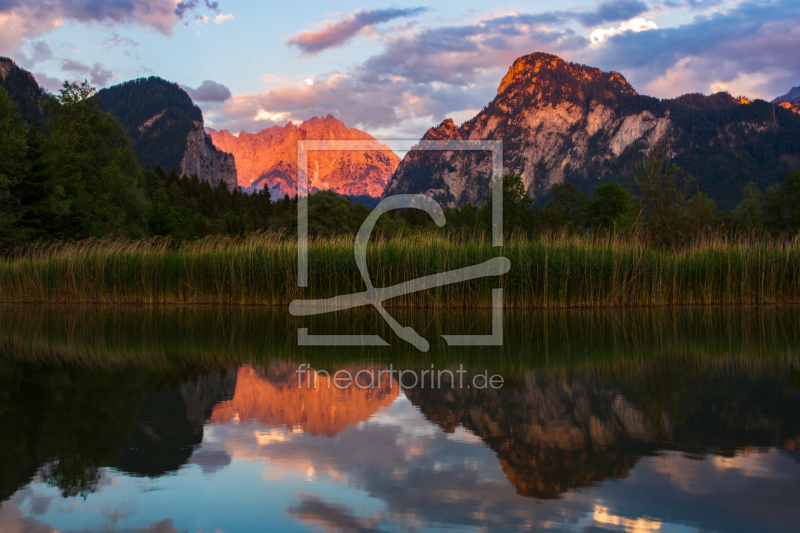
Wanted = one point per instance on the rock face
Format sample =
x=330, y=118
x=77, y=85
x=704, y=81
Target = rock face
x=269, y=159
x=556, y=120
x=564, y=122
x=203, y=159
x=166, y=129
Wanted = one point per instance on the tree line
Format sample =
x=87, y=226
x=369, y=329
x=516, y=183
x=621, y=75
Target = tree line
x=76, y=176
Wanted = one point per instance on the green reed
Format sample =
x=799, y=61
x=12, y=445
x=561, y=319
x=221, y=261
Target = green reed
x=554, y=271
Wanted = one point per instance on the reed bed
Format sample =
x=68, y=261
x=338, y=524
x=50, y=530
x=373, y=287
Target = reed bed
x=554, y=271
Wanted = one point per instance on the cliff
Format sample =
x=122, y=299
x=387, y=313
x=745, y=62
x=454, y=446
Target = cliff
x=206, y=161
x=564, y=122
x=269, y=159
x=166, y=129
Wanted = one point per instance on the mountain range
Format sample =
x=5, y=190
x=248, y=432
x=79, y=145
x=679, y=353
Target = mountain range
x=564, y=122
x=269, y=158
x=559, y=122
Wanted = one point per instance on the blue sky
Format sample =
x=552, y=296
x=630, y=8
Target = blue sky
x=396, y=69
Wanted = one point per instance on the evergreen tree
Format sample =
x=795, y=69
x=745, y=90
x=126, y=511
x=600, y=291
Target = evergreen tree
x=608, y=203
x=748, y=214
x=89, y=156
x=14, y=167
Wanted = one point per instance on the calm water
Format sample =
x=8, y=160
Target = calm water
x=192, y=419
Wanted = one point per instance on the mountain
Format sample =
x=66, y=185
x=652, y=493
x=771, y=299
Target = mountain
x=23, y=89
x=564, y=122
x=166, y=129
x=792, y=97
x=790, y=100
x=269, y=158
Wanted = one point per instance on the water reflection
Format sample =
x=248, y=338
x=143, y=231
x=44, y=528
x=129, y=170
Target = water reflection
x=145, y=421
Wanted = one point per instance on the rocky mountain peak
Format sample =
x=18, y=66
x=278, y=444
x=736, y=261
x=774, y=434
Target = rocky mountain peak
x=793, y=97
x=446, y=130
x=566, y=122
x=268, y=158
x=549, y=78
x=790, y=100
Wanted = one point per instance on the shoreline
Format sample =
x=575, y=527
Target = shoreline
x=576, y=307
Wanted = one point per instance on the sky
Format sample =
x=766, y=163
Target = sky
x=396, y=69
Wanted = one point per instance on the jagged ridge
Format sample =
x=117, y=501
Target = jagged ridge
x=269, y=158
x=562, y=122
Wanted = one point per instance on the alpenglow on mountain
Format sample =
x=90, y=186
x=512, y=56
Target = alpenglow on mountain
x=564, y=122
x=790, y=100
x=269, y=158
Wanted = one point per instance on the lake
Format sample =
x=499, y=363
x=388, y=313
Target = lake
x=207, y=419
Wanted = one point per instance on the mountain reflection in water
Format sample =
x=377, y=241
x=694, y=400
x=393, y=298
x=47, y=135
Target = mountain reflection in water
x=122, y=420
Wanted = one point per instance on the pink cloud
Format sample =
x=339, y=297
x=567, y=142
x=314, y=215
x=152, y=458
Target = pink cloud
x=338, y=33
x=29, y=18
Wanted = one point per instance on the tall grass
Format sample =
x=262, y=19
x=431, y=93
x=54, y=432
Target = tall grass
x=555, y=271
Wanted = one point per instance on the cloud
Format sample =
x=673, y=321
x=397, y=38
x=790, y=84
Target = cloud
x=98, y=75
x=219, y=19
x=635, y=24
x=30, y=18
x=612, y=11
x=416, y=80
x=750, y=47
x=115, y=39
x=398, y=105
x=209, y=91
x=39, y=52
x=340, y=32
x=49, y=83
x=182, y=8
x=426, y=74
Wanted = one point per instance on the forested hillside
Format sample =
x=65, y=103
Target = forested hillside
x=158, y=116
x=23, y=89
